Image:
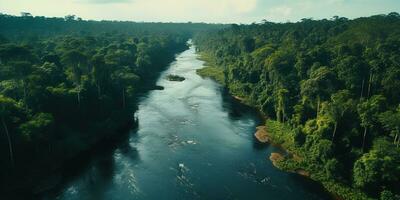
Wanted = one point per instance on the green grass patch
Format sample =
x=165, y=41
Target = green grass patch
x=212, y=72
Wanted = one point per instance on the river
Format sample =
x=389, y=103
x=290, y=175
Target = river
x=193, y=142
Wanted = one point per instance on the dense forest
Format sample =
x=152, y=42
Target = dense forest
x=67, y=84
x=330, y=90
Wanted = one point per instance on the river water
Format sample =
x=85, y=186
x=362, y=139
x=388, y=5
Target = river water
x=193, y=142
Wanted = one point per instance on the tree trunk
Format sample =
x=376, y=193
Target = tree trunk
x=24, y=90
x=123, y=97
x=395, y=139
x=365, y=135
x=98, y=90
x=318, y=104
x=334, y=131
x=371, y=77
x=9, y=141
x=398, y=141
x=278, y=115
x=79, y=98
x=362, y=88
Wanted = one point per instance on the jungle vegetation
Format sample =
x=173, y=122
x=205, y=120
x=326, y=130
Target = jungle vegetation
x=330, y=90
x=67, y=84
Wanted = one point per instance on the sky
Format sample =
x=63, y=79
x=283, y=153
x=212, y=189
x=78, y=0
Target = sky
x=210, y=11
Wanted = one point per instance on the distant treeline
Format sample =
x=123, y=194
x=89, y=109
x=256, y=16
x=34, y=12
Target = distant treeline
x=29, y=27
x=331, y=91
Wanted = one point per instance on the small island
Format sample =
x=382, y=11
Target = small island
x=157, y=87
x=172, y=77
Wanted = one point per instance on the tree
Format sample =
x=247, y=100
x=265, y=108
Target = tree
x=391, y=122
x=50, y=73
x=76, y=61
x=124, y=79
x=280, y=113
x=143, y=62
x=7, y=109
x=26, y=14
x=332, y=168
x=368, y=111
x=11, y=52
x=248, y=44
x=391, y=83
x=377, y=166
x=279, y=65
x=38, y=129
x=388, y=195
x=322, y=84
x=22, y=70
x=70, y=17
x=100, y=72
x=352, y=71
x=340, y=103
x=375, y=68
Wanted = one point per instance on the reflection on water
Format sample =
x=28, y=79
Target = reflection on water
x=193, y=142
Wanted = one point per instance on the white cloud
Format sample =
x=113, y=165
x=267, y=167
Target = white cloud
x=138, y=10
x=279, y=12
x=289, y=10
x=184, y=10
x=102, y=1
x=227, y=11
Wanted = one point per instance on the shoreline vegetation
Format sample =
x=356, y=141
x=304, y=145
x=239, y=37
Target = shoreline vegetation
x=332, y=105
x=290, y=162
x=72, y=87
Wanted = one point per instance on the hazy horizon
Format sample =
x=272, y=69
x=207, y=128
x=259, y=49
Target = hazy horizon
x=208, y=11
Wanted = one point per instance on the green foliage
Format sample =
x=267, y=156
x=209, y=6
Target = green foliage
x=38, y=127
x=380, y=165
x=369, y=110
x=74, y=84
x=212, y=72
x=329, y=89
x=387, y=195
x=391, y=122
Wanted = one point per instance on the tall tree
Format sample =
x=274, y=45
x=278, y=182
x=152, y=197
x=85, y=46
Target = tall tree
x=391, y=122
x=7, y=108
x=369, y=111
x=100, y=72
x=75, y=61
x=340, y=103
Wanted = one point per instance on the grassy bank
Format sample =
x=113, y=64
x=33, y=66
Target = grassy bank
x=211, y=70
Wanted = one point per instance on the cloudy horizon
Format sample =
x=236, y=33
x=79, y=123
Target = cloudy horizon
x=209, y=11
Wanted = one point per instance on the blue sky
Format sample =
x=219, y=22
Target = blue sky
x=215, y=11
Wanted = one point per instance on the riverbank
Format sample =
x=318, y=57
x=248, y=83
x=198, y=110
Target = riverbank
x=79, y=143
x=262, y=134
x=297, y=159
